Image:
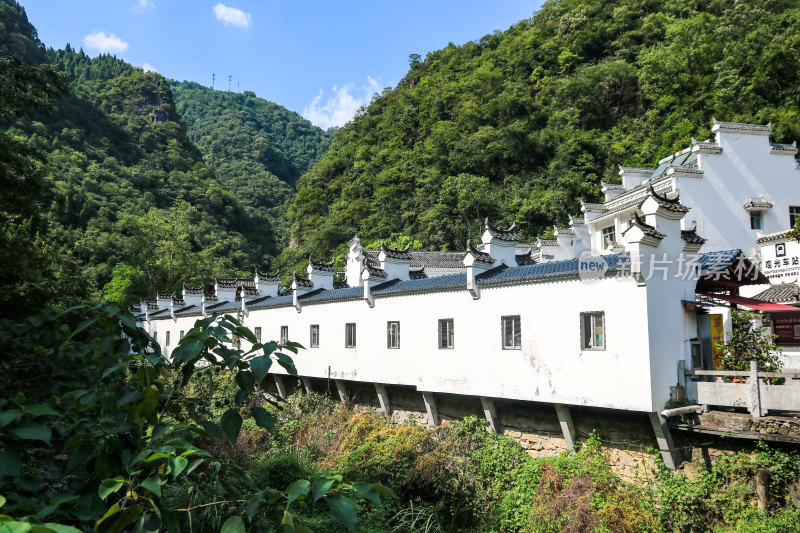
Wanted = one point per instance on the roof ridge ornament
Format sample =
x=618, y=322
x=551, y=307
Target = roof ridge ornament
x=741, y=127
x=327, y=267
x=509, y=234
x=394, y=253
x=647, y=229
x=478, y=255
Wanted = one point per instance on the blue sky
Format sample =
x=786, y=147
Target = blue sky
x=322, y=59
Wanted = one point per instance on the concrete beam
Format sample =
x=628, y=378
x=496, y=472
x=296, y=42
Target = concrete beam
x=567, y=426
x=281, y=385
x=430, y=408
x=306, y=384
x=383, y=398
x=490, y=412
x=341, y=387
x=664, y=439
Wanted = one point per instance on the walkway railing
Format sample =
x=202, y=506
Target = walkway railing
x=755, y=391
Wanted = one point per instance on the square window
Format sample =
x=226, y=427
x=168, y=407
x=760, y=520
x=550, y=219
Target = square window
x=755, y=220
x=593, y=331
x=609, y=236
x=314, y=336
x=167, y=343
x=393, y=334
x=284, y=334
x=512, y=338
x=350, y=335
x=181, y=335
x=258, y=333
x=794, y=212
x=446, y=335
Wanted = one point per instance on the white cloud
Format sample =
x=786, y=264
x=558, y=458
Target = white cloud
x=105, y=44
x=341, y=106
x=231, y=16
x=147, y=67
x=143, y=5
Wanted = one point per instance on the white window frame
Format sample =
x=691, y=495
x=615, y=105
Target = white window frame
x=284, y=334
x=608, y=235
x=393, y=334
x=181, y=335
x=350, y=335
x=515, y=322
x=756, y=220
x=167, y=341
x=592, y=317
x=313, y=331
x=257, y=333
x=446, y=333
x=794, y=213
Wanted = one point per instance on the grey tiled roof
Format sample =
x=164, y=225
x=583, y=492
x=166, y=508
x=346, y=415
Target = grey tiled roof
x=636, y=170
x=671, y=204
x=787, y=148
x=331, y=295
x=192, y=290
x=269, y=277
x=271, y=301
x=509, y=234
x=419, y=259
x=397, y=254
x=647, y=229
x=417, y=274
x=325, y=267
x=375, y=271
x=781, y=293
x=340, y=285
x=707, y=146
x=758, y=202
x=302, y=282
x=691, y=237
x=766, y=128
x=566, y=269
x=773, y=236
x=437, y=283
x=478, y=255
x=188, y=311
x=222, y=307
x=719, y=260
x=524, y=259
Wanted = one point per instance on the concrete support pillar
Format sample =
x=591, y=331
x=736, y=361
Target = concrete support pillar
x=341, y=387
x=664, y=439
x=430, y=408
x=306, y=384
x=383, y=398
x=490, y=412
x=281, y=385
x=567, y=426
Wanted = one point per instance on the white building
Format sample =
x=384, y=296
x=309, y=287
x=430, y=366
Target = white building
x=600, y=316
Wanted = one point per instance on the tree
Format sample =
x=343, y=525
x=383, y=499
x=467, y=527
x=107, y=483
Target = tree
x=749, y=342
x=125, y=419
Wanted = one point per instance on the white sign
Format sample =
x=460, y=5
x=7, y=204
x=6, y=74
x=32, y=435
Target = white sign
x=780, y=262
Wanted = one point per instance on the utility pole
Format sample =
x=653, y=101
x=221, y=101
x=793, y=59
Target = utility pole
x=213, y=76
x=229, y=83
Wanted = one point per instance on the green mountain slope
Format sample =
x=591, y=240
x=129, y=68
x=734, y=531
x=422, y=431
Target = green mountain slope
x=524, y=123
x=125, y=203
x=258, y=149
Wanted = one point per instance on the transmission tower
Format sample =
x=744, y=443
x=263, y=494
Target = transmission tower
x=213, y=76
x=229, y=83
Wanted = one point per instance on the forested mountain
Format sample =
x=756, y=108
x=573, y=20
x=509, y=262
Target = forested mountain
x=258, y=149
x=121, y=201
x=522, y=124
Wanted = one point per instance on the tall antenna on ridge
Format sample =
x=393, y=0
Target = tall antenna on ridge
x=229, y=83
x=213, y=76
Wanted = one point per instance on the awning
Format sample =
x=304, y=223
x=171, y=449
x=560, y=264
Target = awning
x=752, y=303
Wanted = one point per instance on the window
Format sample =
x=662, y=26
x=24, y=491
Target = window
x=794, y=212
x=393, y=334
x=258, y=334
x=181, y=335
x=445, y=333
x=593, y=331
x=315, y=336
x=608, y=236
x=284, y=334
x=755, y=220
x=512, y=339
x=350, y=335
x=168, y=338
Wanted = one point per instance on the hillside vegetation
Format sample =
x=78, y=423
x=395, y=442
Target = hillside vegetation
x=106, y=193
x=522, y=124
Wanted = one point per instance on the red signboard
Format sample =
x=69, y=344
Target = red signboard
x=787, y=327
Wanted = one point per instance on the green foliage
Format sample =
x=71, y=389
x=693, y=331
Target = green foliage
x=521, y=125
x=103, y=429
x=747, y=342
